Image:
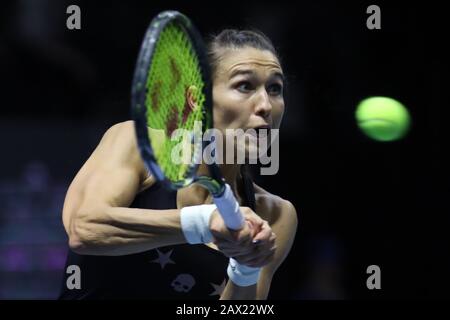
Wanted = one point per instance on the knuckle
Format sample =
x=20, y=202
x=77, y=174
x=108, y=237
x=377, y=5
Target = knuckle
x=246, y=210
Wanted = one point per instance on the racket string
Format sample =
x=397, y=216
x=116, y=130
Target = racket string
x=174, y=69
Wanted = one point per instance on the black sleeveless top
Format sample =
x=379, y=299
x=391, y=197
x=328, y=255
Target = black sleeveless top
x=172, y=272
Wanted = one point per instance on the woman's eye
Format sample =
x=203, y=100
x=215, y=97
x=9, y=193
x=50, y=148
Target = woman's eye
x=275, y=89
x=244, y=86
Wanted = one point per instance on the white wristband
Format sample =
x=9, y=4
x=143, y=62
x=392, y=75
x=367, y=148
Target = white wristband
x=195, y=223
x=242, y=275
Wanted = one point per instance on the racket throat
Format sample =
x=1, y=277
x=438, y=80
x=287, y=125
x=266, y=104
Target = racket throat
x=213, y=186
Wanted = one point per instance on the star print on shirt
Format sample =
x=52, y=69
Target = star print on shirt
x=163, y=258
x=218, y=289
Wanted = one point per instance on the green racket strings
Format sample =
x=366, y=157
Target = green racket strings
x=174, y=71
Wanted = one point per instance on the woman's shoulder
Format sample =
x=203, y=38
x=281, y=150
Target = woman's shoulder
x=121, y=138
x=120, y=133
x=124, y=127
x=274, y=208
x=119, y=143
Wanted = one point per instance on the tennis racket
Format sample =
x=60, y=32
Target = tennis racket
x=171, y=90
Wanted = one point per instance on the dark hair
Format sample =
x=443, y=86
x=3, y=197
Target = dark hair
x=235, y=39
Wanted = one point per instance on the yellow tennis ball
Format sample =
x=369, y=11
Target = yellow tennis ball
x=383, y=118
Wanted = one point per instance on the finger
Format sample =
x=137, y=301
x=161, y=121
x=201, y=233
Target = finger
x=265, y=247
x=221, y=235
x=253, y=228
x=261, y=242
x=248, y=253
x=259, y=255
x=255, y=221
x=265, y=233
x=235, y=252
x=232, y=236
x=254, y=256
x=245, y=235
x=239, y=248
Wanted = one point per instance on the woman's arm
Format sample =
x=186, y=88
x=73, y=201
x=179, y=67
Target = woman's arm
x=284, y=226
x=96, y=214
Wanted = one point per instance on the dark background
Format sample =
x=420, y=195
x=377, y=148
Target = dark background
x=359, y=202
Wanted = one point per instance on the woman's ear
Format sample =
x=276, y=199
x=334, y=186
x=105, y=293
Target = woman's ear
x=191, y=94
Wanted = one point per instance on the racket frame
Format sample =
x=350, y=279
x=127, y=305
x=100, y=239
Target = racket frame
x=214, y=183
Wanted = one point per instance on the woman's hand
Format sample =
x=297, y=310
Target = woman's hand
x=253, y=245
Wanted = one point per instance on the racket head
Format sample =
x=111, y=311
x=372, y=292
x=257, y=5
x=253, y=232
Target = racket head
x=172, y=65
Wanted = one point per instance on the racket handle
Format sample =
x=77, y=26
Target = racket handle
x=229, y=209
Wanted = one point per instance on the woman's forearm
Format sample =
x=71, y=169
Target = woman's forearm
x=120, y=231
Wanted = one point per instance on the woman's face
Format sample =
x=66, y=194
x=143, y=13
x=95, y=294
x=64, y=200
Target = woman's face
x=248, y=90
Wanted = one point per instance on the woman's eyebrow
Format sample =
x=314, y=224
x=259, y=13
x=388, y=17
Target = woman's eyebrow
x=237, y=72
x=250, y=72
x=279, y=75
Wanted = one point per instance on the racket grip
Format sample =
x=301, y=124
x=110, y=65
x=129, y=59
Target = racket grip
x=229, y=209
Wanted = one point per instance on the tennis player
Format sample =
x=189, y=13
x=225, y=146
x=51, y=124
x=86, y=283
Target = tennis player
x=132, y=238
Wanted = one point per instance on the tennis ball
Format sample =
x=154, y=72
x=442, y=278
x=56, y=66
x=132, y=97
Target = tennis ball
x=382, y=118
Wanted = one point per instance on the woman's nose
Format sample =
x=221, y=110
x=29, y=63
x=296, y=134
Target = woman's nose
x=263, y=106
